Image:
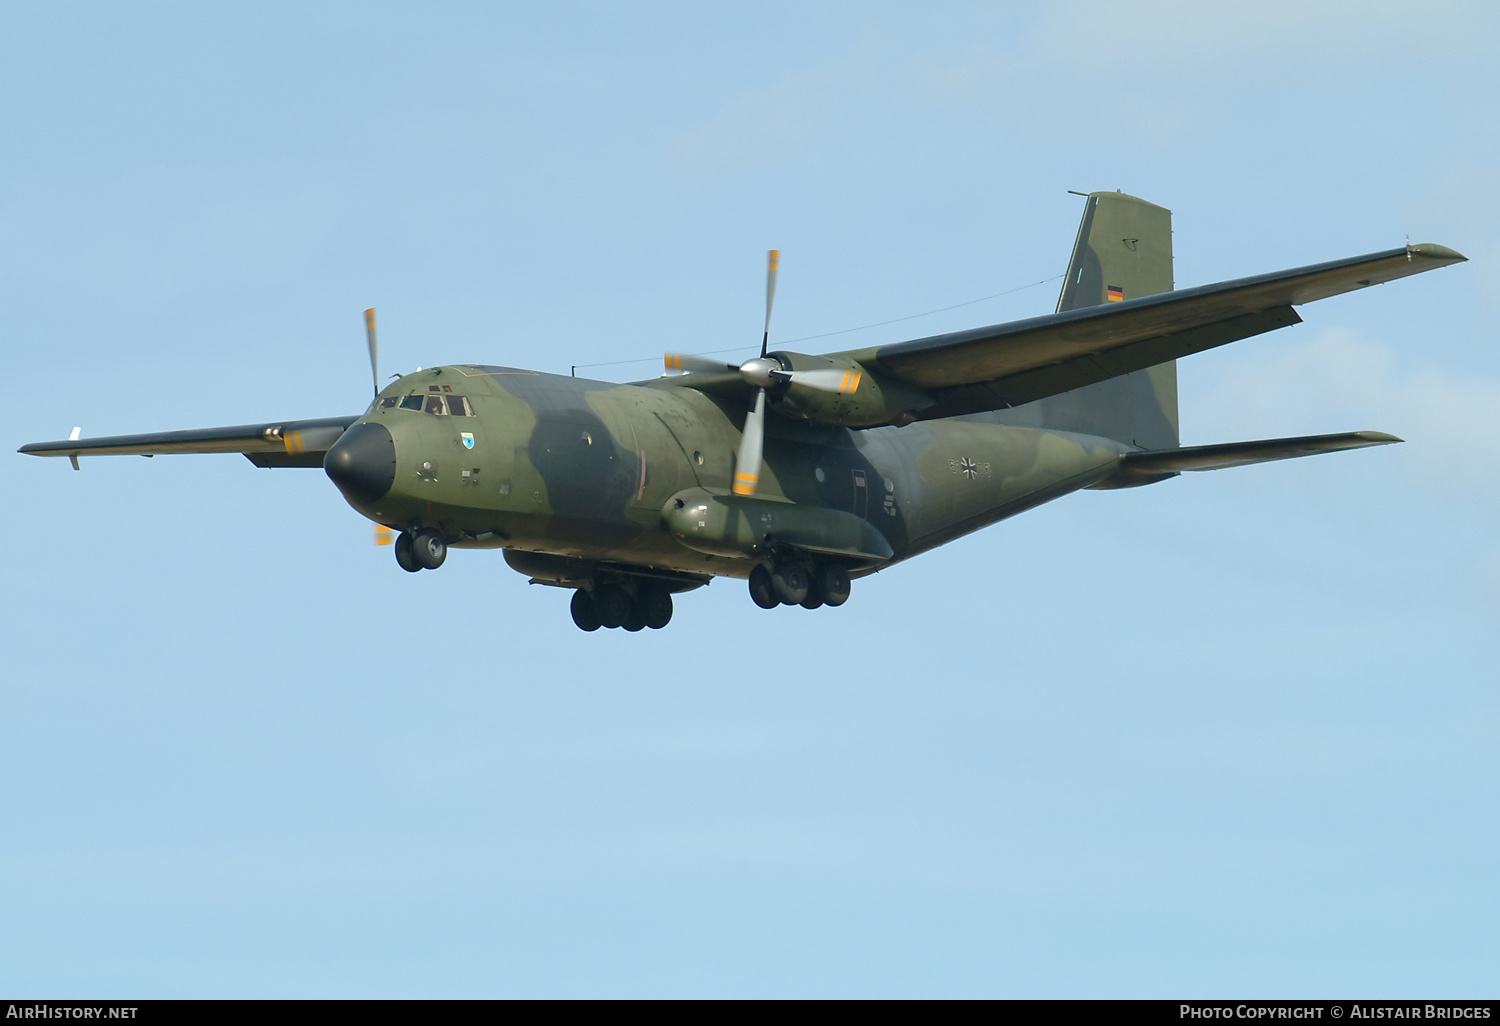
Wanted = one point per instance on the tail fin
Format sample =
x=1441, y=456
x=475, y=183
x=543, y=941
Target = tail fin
x=1124, y=250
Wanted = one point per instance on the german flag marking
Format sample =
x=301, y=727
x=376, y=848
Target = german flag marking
x=1116, y=294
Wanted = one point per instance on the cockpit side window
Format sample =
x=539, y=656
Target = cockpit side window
x=388, y=402
x=458, y=406
x=412, y=402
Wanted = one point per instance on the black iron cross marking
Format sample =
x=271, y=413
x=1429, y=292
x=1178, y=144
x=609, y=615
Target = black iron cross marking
x=970, y=469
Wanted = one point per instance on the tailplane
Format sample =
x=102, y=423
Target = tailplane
x=1138, y=468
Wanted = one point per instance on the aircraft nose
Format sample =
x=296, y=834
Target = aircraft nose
x=362, y=462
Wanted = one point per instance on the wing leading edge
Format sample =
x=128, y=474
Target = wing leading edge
x=1006, y=365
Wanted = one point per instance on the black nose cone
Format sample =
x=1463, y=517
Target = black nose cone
x=362, y=462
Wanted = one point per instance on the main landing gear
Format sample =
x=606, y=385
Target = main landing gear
x=791, y=582
x=424, y=550
x=614, y=605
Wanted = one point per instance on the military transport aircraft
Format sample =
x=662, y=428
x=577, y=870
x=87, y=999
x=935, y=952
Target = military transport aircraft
x=798, y=473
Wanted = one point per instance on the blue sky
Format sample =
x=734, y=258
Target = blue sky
x=1234, y=733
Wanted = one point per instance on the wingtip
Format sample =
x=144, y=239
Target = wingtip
x=1433, y=251
x=1378, y=437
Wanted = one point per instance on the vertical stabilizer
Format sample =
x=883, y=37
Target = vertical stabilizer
x=1123, y=251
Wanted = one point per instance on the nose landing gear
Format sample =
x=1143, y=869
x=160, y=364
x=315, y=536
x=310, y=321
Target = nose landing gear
x=405, y=557
x=424, y=550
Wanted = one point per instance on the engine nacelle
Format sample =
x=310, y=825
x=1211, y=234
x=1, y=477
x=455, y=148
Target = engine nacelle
x=861, y=398
x=741, y=525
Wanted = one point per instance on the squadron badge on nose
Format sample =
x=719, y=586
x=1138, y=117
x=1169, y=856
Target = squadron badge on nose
x=468, y=438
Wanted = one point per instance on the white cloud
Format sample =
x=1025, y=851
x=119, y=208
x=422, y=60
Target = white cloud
x=1340, y=380
x=1169, y=36
x=1167, y=68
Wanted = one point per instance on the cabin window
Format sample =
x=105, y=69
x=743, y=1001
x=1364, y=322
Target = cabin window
x=411, y=402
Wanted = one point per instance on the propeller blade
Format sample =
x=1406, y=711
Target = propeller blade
x=773, y=264
x=747, y=466
x=374, y=348
x=685, y=363
x=384, y=535
x=840, y=382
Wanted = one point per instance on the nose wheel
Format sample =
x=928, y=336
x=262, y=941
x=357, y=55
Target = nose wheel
x=405, y=557
x=424, y=550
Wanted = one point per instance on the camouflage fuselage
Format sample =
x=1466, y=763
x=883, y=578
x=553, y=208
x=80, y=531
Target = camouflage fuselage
x=587, y=469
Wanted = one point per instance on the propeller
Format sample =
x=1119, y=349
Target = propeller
x=383, y=535
x=753, y=438
x=374, y=348
x=764, y=372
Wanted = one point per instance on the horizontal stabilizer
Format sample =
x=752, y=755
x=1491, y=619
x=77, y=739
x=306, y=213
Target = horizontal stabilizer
x=1142, y=467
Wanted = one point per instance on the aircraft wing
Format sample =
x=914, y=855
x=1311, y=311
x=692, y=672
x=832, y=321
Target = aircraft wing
x=286, y=443
x=1006, y=365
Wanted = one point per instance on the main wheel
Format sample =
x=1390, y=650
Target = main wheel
x=582, y=608
x=405, y=557
x=833, y=585
x=635, y=620
x=429, y=548
x=655, y=603
x=762, y=591
x=790, y=581
x=611, y=605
